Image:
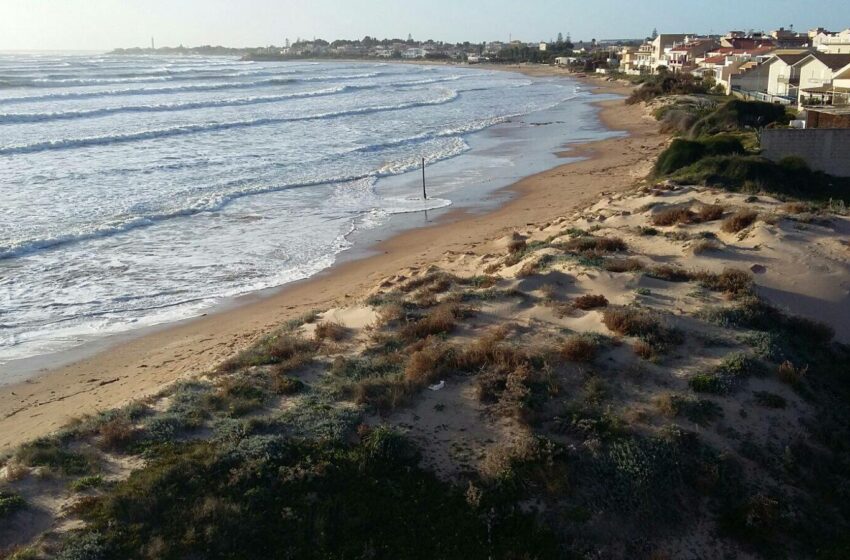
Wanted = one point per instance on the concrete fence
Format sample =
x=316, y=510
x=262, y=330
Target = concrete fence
x=824, y=149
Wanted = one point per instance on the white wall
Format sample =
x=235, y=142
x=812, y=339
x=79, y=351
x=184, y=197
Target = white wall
x=779, y=69
x=814, y=74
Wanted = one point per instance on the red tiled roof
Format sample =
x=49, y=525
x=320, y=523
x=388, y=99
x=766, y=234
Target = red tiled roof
x=720, y=59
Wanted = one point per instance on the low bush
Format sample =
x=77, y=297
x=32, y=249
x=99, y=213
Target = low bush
x=791, y=374
x=627, y=321
x=741, y=219
x=618, y=265
x=117, y=434
x=630, y=321
x=286, y=385
x=706, y=246
x=284, y=350
x=428, y=365
x=10, y=503
x=683, y=153
x=579, y=348
x=669, y=273
x=440, y=320
x=672, y=216
x=52, y=454
x=748, y=173
x=731, y=281
x=590, y=301
x=699, y=411
x=739, y=114
x=594, y=244
x=330, y=330
x=666, y=83
x=710, y=212
x=492, y=351
x=728, y=375
x=643, y=349
x=263, y=496
x=87, y=483
x=769, y=400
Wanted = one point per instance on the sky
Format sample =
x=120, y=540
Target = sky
x=107, y=24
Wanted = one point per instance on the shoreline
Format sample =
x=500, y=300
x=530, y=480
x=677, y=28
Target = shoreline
x=137, y=366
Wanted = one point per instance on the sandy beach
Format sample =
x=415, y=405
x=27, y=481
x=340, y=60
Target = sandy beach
x=131, y=369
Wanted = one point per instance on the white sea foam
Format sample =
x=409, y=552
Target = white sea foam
x=138, y=205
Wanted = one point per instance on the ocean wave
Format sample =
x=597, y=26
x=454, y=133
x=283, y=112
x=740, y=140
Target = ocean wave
x=74, y=143
x=181, y=89
x=217, y=201
x=21, y=118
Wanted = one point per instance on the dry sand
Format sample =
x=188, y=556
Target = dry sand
x=144, y=365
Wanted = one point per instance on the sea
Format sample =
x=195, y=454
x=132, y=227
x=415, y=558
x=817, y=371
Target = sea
x=141, y=190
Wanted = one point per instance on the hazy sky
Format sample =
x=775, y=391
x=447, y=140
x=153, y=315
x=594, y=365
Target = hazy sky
x=105, y=24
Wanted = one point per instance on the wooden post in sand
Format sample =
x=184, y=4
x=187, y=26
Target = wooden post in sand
x=424, y=194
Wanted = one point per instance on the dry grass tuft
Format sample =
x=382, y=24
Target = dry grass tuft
x=440, y=320
x=791, y=374
x=529, y=269
x=587, y=244
x=116, y=434
x=631, y=321
x=285, y=350
x=433, y=283
x=709, y=213
x=516, y=245
x=491, y=351
x=590, y=301
x=391, y=312
x=706, y=246
x=796, y=208
x=738, y=221
x=427, y=366
x=643, y=349
x=330, y=330
x=670, y=273
x=622, y=265
x=579, y=348
x=628, y=321
x=673, y=216
x=731, y=281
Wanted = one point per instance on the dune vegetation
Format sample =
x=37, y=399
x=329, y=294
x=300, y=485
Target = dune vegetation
x=618, y=383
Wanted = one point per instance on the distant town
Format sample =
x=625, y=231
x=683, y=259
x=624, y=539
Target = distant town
x=781, y=66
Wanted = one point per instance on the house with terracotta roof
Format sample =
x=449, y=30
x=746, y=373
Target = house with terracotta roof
x=685, y=57
x=724, y=63
x=824, y=79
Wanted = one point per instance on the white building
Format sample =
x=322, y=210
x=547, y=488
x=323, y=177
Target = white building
x=783, y=79
x=824, y=79
x=832, y=43
x=414, y=53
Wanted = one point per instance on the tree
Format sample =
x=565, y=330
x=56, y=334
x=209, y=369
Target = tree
x=560, y=40
x=654, y=34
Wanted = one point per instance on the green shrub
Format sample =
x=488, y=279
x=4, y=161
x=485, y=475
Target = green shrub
x=683, y=153
x=728, y=375
x=83, y=546
x=738, y=114
x=52, y=454
x=748, y=173
x=286, y=350
x=769, y=400
x=267, y=497
x=86, y=483
x=10, y=503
